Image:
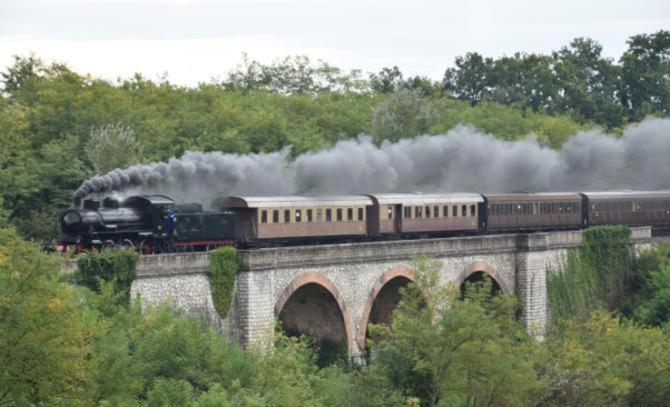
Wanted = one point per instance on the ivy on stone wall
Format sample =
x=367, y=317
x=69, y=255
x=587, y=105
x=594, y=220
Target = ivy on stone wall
x=223, y=269
x=597, y=275
x=116, y=266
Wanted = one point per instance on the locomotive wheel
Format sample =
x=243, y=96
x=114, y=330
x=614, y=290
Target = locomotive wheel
x=146, y=247
x=128, y=244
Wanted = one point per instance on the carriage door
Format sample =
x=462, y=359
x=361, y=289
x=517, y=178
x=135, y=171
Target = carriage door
x=397, y=212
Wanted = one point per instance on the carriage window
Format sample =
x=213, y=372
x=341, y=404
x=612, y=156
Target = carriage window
x=454, y=210
x=297, y=216
x=436, y=211
x=464, y=211
x=309, y=215
x=472, y=210
x=350, y=213
x=360, y=213
x=445, y=211
x=390, y=212
x=287, y=216
x=264, y=216
x=428, y=211
x=319, y=215
x=407, y=212
x=417, y=212
x=339, y=214
x=329, y=215
x=275, y=216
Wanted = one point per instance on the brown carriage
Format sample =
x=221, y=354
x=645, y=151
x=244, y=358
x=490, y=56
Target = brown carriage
x=533, y=211
x=295, y=217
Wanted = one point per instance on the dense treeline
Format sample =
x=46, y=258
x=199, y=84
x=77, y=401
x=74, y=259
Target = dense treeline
x=576, y=80
x=65, y=339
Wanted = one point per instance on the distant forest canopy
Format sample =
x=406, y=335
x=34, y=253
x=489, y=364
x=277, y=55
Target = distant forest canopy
x=59, y=127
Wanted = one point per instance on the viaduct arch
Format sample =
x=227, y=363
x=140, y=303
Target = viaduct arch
x=311, y=304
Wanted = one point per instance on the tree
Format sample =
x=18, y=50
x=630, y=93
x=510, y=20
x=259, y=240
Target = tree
x=646, y=75
x=18, y=75
x=589, y=84
x=388, y=80
x=470, y=79
x=453, y=352
x=44, y=336
x=524, y=81
x=113, y=146
x=406, y=113
x=605, y=361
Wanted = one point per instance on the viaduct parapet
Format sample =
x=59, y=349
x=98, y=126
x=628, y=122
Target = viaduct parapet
x=334, y=291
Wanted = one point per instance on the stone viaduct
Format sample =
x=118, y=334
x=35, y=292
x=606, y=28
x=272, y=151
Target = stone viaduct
x=334, y=291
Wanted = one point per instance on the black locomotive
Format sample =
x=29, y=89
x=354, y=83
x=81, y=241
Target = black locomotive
x=155, y=224
x=148, y=223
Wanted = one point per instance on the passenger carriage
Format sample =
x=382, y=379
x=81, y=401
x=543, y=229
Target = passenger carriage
x=628, y=208
x=424, y=213
x=532, y=211
x=296, y=217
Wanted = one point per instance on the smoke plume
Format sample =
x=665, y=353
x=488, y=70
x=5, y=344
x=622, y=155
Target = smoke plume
x=464, y=159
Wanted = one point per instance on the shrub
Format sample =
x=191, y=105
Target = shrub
x=223, y=270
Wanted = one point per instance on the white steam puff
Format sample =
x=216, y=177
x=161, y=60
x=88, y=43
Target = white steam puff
x=464, y=159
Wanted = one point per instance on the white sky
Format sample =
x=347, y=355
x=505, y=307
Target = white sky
x=194, y=41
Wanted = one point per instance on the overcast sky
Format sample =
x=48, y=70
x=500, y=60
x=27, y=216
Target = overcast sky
x=194, y=41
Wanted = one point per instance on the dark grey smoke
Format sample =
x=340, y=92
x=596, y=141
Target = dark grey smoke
x=464, y=159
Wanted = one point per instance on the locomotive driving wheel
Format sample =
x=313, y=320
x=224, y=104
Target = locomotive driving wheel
x=146, y=247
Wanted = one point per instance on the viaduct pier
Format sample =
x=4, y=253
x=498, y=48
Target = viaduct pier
x=334, y=291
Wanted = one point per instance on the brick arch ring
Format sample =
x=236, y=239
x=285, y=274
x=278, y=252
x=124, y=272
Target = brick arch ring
x=480, y=266
x=398, y=271
x=324, y=282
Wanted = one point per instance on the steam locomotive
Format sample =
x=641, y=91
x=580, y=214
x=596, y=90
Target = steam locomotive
x=155, y=224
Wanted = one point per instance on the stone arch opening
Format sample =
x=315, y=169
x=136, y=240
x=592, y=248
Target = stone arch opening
x=476, y=273
x=476, y=278
x=311, y=306
x=383, y=300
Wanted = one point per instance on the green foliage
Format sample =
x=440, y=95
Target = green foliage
x=113, y=146
x=66, y=345
x=608, y=250
x=576, y=80
x=43, y=339
x=116, y=266
x=651, y=284
x=454, y=352
x=406, y=113
x=595, y=276
x=223, y=270
x=605, y=361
